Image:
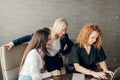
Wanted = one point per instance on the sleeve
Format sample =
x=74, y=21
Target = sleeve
x=101, y=55
x=73, y=58
x=11, y=43
x=22, y=39
x=35, y=68
x=69, y=44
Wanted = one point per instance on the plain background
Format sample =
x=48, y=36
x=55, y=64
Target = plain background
x=22, y=17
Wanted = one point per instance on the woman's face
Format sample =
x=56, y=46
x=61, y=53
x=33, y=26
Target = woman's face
x=93, y=37
x=62, y=33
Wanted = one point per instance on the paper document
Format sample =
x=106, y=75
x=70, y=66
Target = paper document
x=78, y=76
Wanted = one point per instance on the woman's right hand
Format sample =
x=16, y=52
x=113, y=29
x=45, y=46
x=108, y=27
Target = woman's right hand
x=100, y=75
x=55, y=73
x=9, y=45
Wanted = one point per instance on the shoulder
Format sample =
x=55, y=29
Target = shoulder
x=101, y=50
x=98, y=49
x=33, y=53
x=76, y=45
x=66, y=35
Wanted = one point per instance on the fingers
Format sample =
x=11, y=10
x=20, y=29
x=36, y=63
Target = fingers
x=111, y=73
x=100, y=75
x=103, y=77
x=55, y=73
x=58, y=72
x=9, y=45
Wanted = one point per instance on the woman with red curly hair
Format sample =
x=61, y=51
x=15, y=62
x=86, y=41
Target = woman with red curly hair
x=88, y=51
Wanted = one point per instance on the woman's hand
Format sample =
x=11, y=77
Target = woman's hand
x=55, y=73
x=100, y=75
x=109, y=72
x=9, y=45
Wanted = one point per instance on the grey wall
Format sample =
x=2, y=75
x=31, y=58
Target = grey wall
x=21, y=17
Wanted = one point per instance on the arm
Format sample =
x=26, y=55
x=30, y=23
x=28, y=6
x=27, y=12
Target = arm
x=103, y=65
x=36, y=64
x=74, y=60
x=22, y=39
x=18, y=41
x=86, y=71
x=35, y=67
x=101, y=59
x=69, y=44
x=26, y=38
x=81, y=69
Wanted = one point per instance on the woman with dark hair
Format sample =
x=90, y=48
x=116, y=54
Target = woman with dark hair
x=32, y=64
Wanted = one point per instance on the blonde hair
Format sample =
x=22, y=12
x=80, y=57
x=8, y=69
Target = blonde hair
x=59, y=25
x=83, y=35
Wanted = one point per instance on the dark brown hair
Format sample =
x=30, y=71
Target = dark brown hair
x=38, y=40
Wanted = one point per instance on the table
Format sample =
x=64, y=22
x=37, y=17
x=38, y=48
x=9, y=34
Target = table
x=69, y=76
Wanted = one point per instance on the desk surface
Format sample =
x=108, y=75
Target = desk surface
x=69, y=76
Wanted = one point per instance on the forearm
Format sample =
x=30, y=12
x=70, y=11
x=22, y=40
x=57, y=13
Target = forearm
x=22, y=39
x=45, y=75
x=103, y=65
x=68, y=47
x=41, y=76
x=82, y=69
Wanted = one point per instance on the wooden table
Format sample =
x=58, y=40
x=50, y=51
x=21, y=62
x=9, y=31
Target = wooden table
x=69, y=76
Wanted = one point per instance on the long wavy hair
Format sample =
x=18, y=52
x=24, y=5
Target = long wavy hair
x=84, y=34
x=59, y=25
x=38, y=41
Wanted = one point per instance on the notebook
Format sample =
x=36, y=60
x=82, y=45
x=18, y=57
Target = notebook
x=78, y=76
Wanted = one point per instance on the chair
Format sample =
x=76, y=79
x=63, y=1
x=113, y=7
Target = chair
x=10, y=61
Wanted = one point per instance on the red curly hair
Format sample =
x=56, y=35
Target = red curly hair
x=84, y=34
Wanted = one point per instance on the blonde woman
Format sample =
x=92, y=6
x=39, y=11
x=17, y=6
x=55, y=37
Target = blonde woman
x=59, y=38
x=88, y=51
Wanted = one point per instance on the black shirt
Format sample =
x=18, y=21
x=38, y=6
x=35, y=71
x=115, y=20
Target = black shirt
x=79, y=55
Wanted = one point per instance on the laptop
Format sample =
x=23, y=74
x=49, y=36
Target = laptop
x=116, y=75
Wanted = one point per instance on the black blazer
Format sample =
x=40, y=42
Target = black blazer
x=63, y=41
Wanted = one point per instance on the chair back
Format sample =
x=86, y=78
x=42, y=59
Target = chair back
x=10, y=61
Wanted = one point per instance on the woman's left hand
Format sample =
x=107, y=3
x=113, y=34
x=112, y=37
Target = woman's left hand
x=109, y=72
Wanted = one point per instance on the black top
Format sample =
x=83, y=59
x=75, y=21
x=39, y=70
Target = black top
x=79, y=55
